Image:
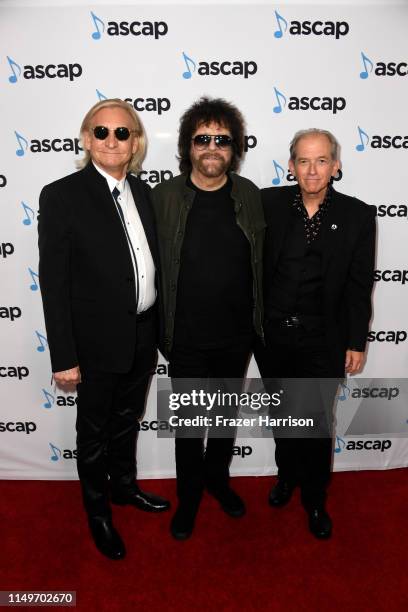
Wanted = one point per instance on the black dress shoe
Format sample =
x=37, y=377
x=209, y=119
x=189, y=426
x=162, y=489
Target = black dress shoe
x=106, y=538
x=229, y=501
x=182, y=523
x=280, y=493
x=141, y=500
x=320, y=523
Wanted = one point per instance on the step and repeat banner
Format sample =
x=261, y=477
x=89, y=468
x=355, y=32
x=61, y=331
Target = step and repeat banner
x=287, y=67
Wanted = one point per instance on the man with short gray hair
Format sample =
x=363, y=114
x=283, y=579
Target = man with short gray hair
x=319, y=264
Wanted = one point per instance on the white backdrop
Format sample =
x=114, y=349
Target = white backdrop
x=286, y=66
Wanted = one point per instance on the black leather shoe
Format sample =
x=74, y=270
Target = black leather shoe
x=106, y=538
x=320, y=523
x=141, y=500
x=182, y=523
x=280, y=494
x=229, y=501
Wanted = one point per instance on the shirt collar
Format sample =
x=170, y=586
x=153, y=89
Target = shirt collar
x=112, y=181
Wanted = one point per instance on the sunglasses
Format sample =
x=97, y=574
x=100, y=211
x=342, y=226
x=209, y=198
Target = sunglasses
x=101, y=132
x=222, y=141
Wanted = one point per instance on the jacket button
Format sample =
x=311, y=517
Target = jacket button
x=179, y=234
x=176, y=261
x=173, y=286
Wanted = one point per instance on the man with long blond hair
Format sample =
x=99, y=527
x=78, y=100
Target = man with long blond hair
x=98, y=263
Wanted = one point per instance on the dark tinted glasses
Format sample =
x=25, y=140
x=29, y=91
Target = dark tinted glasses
x=222, y=141
x=101, y=132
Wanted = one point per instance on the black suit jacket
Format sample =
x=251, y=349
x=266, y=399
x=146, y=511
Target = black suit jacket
x=86, y=272
x=348, y=238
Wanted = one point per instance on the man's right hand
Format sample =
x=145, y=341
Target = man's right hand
x=68, y=377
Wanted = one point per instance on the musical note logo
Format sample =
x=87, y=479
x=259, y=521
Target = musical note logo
x=280, y=173
x=189, y=63
x=344, y=391
x=280, y=20
x=97, y=34
x=22, y=143
x=29, y=213
x=363, y=137
x=340, y=444
x=367, y=63
x=34, y=276
x=280, y=101
x=50, y=399
x=43, y=342
x=15, y=68
x=56, y=452
x=100, y=95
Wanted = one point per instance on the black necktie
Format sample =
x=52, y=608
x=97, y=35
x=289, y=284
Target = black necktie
x=116, y=194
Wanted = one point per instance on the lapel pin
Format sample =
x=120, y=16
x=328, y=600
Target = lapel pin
x=334, y=226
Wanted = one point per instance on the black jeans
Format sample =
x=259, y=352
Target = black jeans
x=195, y=467
x=109, y=406
x=301, y=353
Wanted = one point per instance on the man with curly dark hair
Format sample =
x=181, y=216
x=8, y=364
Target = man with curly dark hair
x=211, y=228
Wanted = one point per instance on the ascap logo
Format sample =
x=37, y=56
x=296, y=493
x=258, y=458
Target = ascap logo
x=157, y=105
x=361, y=445
x=380, y=142
x=308, y=28
x=19, y=372
x=19, y=426
x=395, y=276
x=59, y=400
x=3, y=181
x=57, y=453
x=244, y=68
x=155, y=176
x=156, y=29
x=387, y=393
x=396, y=337
x=381, y=68
x=242, y=451
x=392, y=210
x=315, y=103
x=6, y=249
x=250, y=142
x=45, y=145
x=42, y=71
x=10, y=312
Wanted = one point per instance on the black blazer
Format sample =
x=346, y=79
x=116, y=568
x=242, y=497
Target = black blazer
x=348, y=265
x=86, y=272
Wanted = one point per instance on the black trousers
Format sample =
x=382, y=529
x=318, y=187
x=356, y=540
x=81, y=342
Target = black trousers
x=301, y=353
x=196, y=467
x=109, y=406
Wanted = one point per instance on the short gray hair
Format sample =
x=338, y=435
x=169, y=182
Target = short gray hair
x=334, y=143
x=135, y=163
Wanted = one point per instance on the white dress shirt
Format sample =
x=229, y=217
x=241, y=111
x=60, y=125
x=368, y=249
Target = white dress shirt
x=145, y=270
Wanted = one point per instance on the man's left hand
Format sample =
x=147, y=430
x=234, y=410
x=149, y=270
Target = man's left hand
x=354, y=361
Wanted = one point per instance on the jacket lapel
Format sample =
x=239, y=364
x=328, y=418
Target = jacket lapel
x=333, y=230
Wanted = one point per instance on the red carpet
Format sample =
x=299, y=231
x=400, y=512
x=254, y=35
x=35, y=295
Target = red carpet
x=264, y=561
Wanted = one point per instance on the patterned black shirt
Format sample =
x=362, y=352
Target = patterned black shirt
x=312, y=225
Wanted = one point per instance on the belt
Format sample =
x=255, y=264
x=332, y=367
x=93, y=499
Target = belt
x=297, y=321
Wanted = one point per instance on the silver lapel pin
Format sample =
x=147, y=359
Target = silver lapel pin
x=334, y=226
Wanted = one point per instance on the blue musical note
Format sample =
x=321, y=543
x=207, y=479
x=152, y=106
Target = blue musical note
x=279, y=96
x=340, y=444
x=100, y=95
x=280, y=19
x=34, y=275
x=56, y=452
x=13, y=78
x=363, y=136
x=43, y=342
x=29, y=214
x=188, y=61
x=96, y=35
x=280, y=173
x=367, y=63
x=50, y=399
x=21, y=141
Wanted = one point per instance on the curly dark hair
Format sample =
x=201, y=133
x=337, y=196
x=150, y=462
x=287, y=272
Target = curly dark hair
x=204, y=111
